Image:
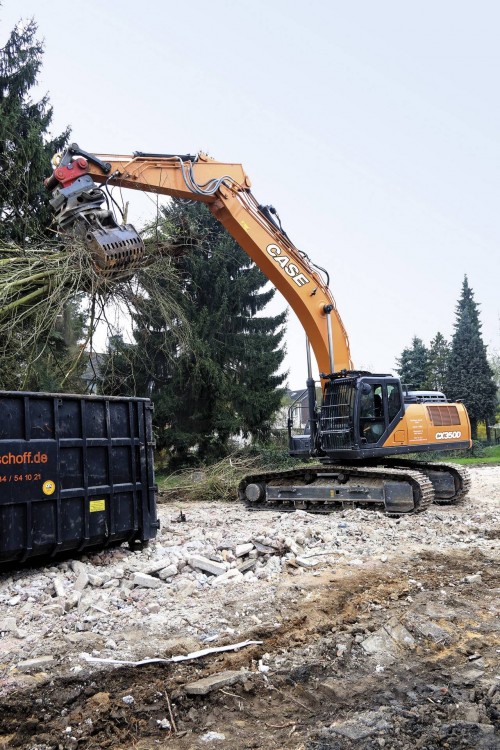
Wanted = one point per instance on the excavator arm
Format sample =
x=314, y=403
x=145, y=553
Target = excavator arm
x=225, y=188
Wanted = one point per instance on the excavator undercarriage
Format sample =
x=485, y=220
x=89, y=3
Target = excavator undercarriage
x=396, y=487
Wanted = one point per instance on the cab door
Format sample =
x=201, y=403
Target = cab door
x=380, y=405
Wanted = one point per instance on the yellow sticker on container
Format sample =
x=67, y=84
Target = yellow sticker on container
x=97, y=505
x=49, y=487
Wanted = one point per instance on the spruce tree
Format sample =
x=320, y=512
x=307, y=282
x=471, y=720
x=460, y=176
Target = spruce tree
x=413, y=365
x=225, y=382
x=469, y=376
x=25, y=215
x=439, y=354
x=25, y=149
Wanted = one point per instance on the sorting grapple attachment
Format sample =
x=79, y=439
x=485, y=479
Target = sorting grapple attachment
x=79, y=211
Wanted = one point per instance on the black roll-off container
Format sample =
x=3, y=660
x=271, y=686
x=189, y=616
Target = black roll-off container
x=76, y=473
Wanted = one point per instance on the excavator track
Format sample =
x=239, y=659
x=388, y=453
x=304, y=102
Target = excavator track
x=325, y=488
x=451, y=482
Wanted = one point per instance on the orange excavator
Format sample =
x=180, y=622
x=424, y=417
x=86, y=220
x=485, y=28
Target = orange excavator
x=361, y=433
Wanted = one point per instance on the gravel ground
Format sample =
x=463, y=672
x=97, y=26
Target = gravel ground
x=376, y=632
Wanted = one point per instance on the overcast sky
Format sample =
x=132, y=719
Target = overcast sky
x=373, y=127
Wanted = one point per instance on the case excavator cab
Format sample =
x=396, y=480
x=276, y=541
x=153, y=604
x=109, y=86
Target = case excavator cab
x=357, y=413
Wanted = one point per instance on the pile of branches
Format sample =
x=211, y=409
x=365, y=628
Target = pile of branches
x=209, y=483
x=38, y=282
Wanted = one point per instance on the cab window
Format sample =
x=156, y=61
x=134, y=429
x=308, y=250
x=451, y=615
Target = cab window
x=371, y=412
x=393, y=401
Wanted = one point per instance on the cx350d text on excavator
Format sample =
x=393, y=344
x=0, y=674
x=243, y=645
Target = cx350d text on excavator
x=366, y=423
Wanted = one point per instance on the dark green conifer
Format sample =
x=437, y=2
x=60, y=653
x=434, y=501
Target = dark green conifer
x=25, y=148
x=225, y=383
x=469, y=376
x=439, y=354
x=413, y=365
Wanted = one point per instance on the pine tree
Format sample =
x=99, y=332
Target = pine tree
x=225, y=382
x=413, y=365
x=470, y=377
x=25, y=150
x=116, y=372
x=439, y=354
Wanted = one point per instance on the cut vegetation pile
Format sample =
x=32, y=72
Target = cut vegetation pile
x=37, y=283
x=213, y=483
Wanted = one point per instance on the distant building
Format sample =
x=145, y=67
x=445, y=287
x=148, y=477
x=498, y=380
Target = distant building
x=299, y=400
x=301, y=407
x=92, y=375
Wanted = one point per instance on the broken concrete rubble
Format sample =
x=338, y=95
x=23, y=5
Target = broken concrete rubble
x=215, y=681
x=243, y=549
x=59, y=587
x=35, y=664
x=364, y=724
x=315, y=667
x=151, y=568
x=81, y=581
x=203, y=563
x=8, y=625
x=233, y=574
x=116, y=603
x=389, y=642
x=168, y=572
x=146, y=581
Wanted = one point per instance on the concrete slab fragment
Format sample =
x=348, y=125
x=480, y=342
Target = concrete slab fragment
x=243, y=549
x=35, y=664
x=209, y=566
x=215, y=681
x=146, y=581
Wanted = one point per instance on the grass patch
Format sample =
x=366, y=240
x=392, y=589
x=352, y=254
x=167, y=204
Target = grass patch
x=491, y=455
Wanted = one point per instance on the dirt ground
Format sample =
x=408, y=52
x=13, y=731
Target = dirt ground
x=402, y=651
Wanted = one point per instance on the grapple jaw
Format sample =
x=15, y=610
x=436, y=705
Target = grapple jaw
x=115, y=249
x=78, y=210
